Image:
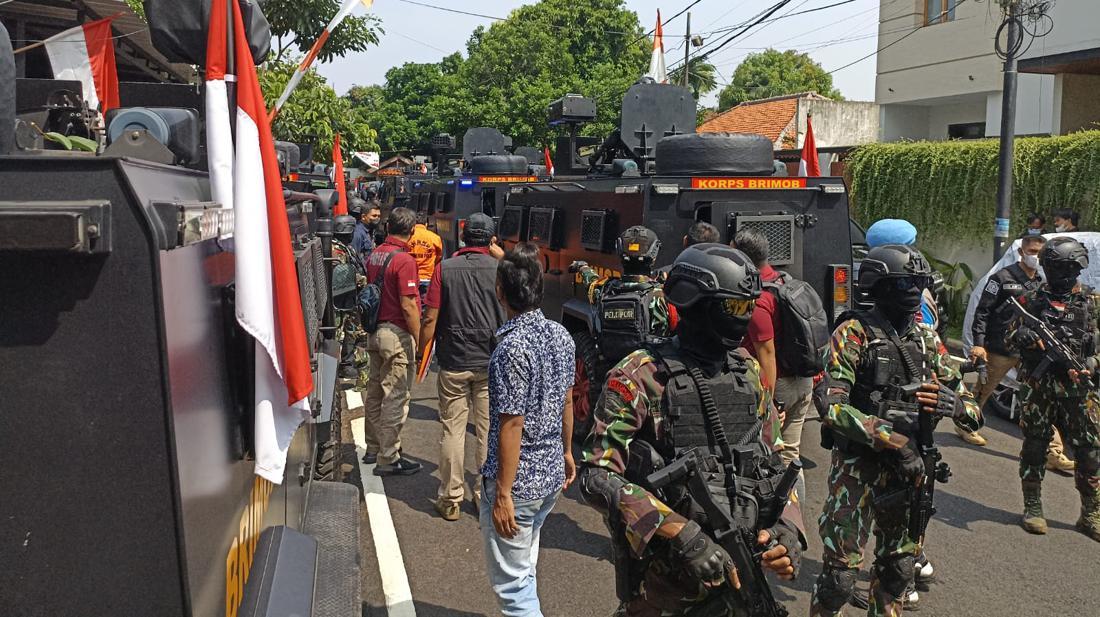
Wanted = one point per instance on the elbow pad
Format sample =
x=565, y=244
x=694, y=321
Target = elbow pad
x=600, y=489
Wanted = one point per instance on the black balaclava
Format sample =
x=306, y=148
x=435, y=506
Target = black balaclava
x=899, y=306
x=707, y=333
x=1062, y=277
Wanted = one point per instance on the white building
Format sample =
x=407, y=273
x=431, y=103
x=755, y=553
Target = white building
x=939, y=76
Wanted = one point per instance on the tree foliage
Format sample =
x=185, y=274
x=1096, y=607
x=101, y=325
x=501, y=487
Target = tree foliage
x=776, y=73
x=950, y=187
x=296, y=25
x=315, y=113
x=511, y=72
x=702, y=78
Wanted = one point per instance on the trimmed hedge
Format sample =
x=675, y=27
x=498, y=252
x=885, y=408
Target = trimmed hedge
x=949, y=188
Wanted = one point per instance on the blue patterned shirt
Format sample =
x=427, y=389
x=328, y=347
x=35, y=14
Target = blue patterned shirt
x=530, y=372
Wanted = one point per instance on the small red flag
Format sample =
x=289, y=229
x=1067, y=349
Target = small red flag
x=809, y=165
x=549, y=163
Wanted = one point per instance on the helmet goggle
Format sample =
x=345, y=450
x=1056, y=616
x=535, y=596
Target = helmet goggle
x=905, y=283
x=737, y=307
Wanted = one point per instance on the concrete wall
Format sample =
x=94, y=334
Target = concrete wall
x=940, y=116
x=1077, y=104
x=839, y=123
x=1076, y=27
x=1035, y=113
x=941, y=60
x=899, y=122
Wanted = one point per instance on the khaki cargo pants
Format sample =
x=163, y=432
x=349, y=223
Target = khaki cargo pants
x=461, y=392
x=389, y=389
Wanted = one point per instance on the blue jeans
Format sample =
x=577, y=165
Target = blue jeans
x=511, y=561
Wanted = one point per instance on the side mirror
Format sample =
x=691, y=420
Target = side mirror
x=343, y=287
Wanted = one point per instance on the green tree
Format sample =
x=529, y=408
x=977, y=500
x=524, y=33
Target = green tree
x=775, y=73
x=137, y=6
x=702, y=79
x=315, y=113
x=296, y=25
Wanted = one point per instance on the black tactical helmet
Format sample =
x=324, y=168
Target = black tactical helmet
x=1063, y=251
x=356, y=207
x=711, y=270
x=637, y=248
x=893, y=261
x=343, y=227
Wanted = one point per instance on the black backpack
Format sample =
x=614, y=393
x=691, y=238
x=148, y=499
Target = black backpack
x=804, y=327
x=370, y=298
x=623, y=320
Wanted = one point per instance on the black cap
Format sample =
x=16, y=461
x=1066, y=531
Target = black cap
x=479, y=227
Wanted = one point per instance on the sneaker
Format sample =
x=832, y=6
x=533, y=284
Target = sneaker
x=400, y=467
x=448, y=510
x=924, y=570
x=1061, y=464
x=912, y=599
x=972, y=438
x=370, y=458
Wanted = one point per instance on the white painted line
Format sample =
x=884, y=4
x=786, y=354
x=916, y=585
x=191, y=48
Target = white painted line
x=391, y=566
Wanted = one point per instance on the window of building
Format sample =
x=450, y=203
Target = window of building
x=967, y=130
x=939, y=11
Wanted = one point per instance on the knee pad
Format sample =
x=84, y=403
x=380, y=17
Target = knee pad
x=895, y=573
x=1034, y=451
x=600, y=489
x=1088, y=469
x=834, y=587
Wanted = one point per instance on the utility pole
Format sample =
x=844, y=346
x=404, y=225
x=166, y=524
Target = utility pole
x=1008, y=131
x=687, y=50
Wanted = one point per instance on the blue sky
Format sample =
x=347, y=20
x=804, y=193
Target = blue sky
x=833, y=36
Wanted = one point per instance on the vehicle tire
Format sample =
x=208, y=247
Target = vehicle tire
x=498, y=164
x=588, y=383
x=695, y=154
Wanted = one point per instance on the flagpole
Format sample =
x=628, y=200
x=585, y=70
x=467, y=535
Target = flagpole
x=231, y=70
x=687, y=51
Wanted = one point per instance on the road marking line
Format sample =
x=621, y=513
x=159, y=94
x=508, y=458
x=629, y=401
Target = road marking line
x=391, y=565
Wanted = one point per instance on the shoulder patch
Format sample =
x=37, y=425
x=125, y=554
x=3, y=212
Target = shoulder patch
x=623, y=390
x=993, y=287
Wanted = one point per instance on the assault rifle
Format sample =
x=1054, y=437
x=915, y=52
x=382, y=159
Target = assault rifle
x=737, y=538
x=1057, y=352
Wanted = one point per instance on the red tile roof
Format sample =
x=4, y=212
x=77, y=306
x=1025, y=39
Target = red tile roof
x=767, y=117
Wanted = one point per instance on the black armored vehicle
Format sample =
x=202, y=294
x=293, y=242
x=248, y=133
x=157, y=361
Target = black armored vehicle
x=127, y=421
x=656, y=171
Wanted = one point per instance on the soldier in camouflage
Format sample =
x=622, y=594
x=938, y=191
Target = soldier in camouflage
x=666, y=560
x=1055, y=394
x=619, y=330
x=354, y=360
x=873, y=450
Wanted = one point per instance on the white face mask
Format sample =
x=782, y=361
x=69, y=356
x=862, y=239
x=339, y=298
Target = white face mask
x=1031, y=261
x=1060, y=228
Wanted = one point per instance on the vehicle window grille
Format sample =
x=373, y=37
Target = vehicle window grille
x=304, y=264
x=320, y=277
x=510, y=223
x=779, y=230
x=595, y=229
x=540, y=226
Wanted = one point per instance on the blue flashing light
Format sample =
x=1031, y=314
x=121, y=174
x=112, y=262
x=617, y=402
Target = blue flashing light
x=450, y=182
x=466, y=182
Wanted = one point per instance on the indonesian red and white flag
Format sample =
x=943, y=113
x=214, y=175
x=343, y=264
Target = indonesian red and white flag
x=86, y=54
x=809, y=164
x=268, y=303
x=338, y=173
x=657, y=61
x=549, y=162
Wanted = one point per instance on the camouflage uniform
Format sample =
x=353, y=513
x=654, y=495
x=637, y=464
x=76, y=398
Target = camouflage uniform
x=353, y=340
x=1054, y=401
x=860, y=475
x=631, y=406
x=660, y=314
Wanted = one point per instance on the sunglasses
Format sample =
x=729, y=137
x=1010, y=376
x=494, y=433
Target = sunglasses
x=905, y=283
x=737, y=308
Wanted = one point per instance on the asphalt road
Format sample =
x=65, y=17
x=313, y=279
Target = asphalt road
x=986, y=565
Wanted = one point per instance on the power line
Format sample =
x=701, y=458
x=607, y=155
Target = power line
x=888, y=46
x=756, y=20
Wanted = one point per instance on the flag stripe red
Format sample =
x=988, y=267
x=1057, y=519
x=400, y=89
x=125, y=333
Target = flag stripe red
x=216, y=56
x=341, y=189
x=101, y=53
x=290, y=325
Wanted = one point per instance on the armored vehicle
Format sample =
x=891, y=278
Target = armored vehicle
x=656, y=171
x=126, y=436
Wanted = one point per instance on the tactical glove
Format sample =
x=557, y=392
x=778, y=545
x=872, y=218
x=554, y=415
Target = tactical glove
x=949, y=404
x=701, y=557
x=576, y=266
x=909, y=463
x=1026, y=338
x=785, y=535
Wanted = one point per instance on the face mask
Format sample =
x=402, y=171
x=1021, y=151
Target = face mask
x=1031, y=231
x=1031, y=261
x=899, y=305
x=1062, y=278
x=1060, y=228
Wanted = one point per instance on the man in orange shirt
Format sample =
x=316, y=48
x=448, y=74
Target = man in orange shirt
x=426, y=247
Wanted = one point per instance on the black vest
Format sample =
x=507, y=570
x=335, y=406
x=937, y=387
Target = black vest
x=882, y=370
x=623, y=319
x=469, y=314
x=1069, y=321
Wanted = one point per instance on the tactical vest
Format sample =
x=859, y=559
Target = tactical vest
x=1069, y=321
x=881, y=366
x=470, y=313
x=624, y=319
